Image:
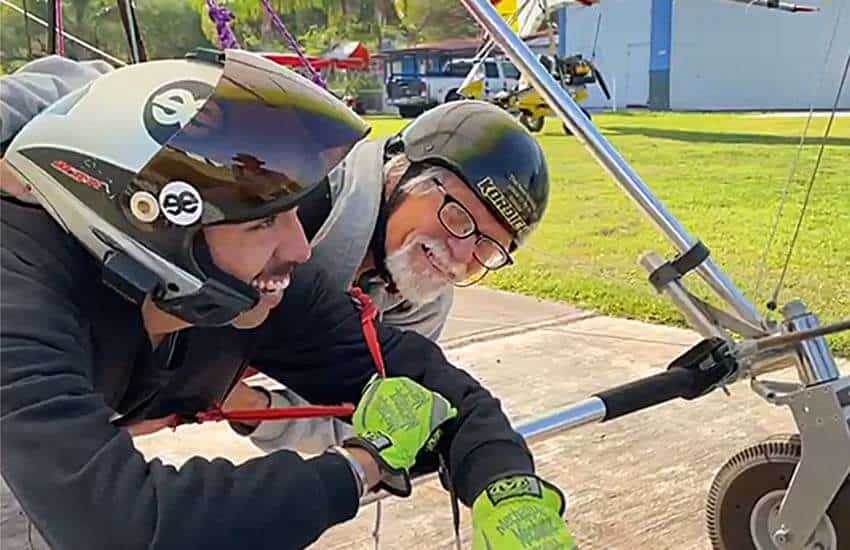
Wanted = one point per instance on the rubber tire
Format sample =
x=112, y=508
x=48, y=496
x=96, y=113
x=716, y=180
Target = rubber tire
x=533, y=124
x=453, y=96
x=751, y=474
x=410, y=112
x=586, y=113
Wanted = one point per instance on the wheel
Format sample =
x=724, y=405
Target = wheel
x=746, y=493
x=533, y=123
x=453, y=96
x=586, y=113
x=410, y=112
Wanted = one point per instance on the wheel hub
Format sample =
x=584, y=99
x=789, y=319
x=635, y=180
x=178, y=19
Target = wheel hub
x=764, y=522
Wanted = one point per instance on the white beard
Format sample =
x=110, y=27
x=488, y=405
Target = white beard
x=423, y=285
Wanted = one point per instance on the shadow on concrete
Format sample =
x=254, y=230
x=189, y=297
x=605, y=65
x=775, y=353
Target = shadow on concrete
x=723, y=137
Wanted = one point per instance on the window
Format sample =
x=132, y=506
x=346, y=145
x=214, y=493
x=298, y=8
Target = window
x=457, y=68
x=491, y=70
x=510, y=70
x=432, y=65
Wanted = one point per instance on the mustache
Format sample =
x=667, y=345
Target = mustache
x=278, y=270
x=454, y=271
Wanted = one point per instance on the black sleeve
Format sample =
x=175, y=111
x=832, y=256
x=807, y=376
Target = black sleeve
x=313, y=343
x=83, y=483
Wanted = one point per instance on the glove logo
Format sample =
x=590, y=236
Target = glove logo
x=181, y=203
x=379, y=440
x=515, y=486
x=172, y=106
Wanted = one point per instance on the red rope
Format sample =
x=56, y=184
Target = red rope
x=368, y=312
x=216, y=414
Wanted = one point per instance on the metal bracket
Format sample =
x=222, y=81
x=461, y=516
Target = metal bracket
x=697, y=317
x=775, y=393
x=822, y=414
x=728, y=320
x=675, y=269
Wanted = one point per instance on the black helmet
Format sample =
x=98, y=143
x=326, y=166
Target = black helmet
x=488, y=149
x=135, y=164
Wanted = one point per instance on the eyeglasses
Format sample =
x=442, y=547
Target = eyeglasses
x=458, y=221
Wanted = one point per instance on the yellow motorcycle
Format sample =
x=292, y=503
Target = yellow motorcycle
x=574, y=73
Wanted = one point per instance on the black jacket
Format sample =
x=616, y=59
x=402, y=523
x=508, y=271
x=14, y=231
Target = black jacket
x=73, y=353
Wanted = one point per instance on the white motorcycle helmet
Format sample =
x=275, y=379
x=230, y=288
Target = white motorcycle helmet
x=135, y=164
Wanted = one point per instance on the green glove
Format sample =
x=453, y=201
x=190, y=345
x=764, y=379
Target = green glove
x=395, y=419
x=520, y=512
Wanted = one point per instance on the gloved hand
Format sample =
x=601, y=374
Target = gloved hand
x=395, y=419
x=520, y=512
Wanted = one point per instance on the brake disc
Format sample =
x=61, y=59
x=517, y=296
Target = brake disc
x=743, y=503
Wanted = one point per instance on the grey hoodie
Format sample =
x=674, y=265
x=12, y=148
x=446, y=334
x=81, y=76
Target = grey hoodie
x=33, y=87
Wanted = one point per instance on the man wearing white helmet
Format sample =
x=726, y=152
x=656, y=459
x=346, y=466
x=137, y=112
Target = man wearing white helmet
x=166, y=255
x=443, y=202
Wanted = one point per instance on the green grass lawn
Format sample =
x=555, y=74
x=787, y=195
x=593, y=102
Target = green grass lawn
x=723, y=176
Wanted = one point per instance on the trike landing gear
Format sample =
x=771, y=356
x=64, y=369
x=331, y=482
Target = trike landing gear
x=746, y=494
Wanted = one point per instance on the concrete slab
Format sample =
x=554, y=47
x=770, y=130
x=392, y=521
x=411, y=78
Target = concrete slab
x=639, y=482
x=482, y=313
x=636, y=483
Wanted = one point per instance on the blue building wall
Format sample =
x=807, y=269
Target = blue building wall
x=660, y=52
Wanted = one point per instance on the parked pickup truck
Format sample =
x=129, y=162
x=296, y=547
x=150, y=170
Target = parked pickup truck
x=414, y=94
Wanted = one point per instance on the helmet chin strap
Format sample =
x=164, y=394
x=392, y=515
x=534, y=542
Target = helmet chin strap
x=378, y=244
x=220, y=300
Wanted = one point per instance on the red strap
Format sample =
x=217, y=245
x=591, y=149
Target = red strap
x=368, y=311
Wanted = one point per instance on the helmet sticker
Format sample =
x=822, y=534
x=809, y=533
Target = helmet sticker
x=181, y=203
x=144, y=206
x=172, y=106
x=520, y=195
x=80, y=176
x=501, y=203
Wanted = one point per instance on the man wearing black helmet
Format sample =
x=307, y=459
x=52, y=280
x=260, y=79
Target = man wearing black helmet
x=166, y=256
x=443, y=202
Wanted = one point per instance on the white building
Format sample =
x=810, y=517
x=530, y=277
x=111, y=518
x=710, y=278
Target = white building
x=714, y=54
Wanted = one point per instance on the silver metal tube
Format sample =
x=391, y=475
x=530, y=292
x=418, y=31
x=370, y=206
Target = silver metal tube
x=486, y=48
x=772, y=362
x=817, y=364
x=584, y=412
x=604, y=152
x=67, y=35
x=783, y=6
x=135, y=55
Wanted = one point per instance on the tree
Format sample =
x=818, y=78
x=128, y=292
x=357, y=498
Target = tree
x=171, y=29
x=426, y=20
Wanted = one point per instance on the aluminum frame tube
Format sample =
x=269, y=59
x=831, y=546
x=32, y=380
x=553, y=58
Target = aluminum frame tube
x=605, y=153
x=589, y=411
x=817, y=363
